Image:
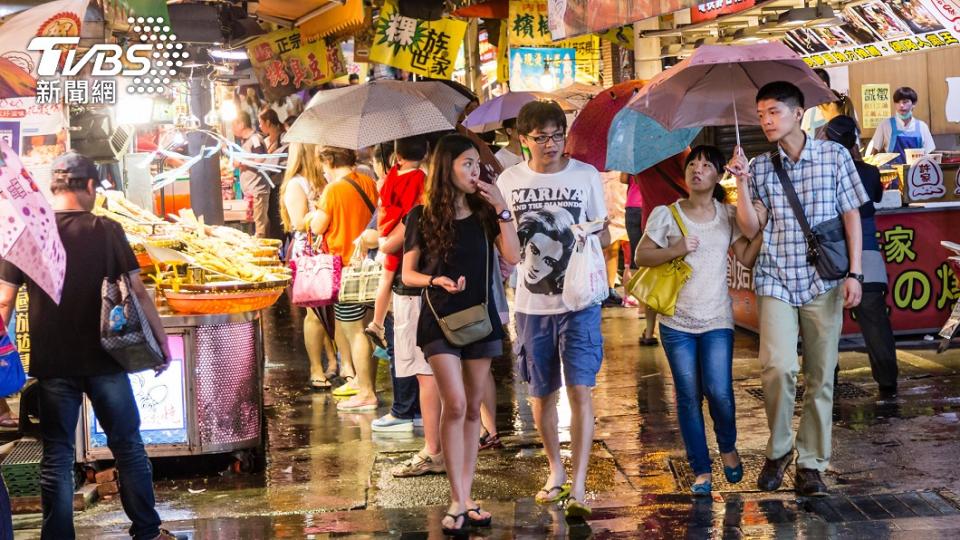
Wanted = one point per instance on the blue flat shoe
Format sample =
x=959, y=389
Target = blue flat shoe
x=733, y=474
x=702, y=489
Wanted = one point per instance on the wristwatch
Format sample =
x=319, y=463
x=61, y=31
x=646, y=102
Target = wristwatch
x=858, y=277
x=506, y=215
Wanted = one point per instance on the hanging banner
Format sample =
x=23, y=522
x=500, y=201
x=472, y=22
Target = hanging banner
x=877, y=29
x=708, y=11
x=426, y=48
x=541, y=69
x=528, y=23
x=569, y=18
x=875, y=108
x=622, y=36
x=503, y=56
x=284, y=63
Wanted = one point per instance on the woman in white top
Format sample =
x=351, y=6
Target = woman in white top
x=698, y=338
x=302, y=186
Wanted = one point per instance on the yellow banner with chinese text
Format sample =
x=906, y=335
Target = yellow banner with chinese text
x=426, y=48
x=284, y=62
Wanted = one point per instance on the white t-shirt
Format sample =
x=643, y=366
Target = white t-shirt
x=704, y=303
x=507, y=158
x=545, y=206
x=917, y=128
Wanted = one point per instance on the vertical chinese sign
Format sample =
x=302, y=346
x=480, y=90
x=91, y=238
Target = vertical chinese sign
x=875, y=99
x=427, y=48
x=284, y=63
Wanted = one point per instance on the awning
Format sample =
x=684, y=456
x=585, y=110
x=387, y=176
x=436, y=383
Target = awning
x=338, y=20
x=313, y=17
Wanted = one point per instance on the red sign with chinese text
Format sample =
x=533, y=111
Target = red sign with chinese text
x=708, y=11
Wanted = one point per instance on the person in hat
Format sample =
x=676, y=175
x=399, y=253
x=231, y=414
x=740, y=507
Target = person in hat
x=69, y=362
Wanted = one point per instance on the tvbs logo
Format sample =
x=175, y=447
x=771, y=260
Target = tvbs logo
x=108, y=60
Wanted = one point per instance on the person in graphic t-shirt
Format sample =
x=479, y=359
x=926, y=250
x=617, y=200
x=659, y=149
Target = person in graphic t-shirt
x=548, y=194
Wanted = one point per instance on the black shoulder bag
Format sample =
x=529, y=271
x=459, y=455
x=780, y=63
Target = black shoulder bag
x=827, y=242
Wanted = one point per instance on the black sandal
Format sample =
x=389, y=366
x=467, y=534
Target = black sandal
x=459, y=531
x=485, y=522
x=649, y=341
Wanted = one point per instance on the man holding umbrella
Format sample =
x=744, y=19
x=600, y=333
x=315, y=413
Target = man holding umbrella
x=794, y=300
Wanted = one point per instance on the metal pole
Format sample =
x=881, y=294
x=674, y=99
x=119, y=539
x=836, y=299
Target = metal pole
x=471, y=54
x=205, y=194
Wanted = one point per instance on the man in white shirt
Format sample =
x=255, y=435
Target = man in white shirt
x=547, y=194
x=512, y=153
x=902, y=131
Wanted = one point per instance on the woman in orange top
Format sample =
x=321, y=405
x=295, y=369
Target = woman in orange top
x=345, y=209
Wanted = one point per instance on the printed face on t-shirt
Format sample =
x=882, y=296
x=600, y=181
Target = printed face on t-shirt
x=543, y=254
x=547, y=243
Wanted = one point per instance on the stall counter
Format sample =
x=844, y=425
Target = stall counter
x=922, y=286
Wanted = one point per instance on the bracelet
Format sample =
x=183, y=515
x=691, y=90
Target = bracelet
x=430, y=283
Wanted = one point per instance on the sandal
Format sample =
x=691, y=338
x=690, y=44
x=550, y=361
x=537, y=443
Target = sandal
x=488, y=441
x=459, y=531
x=576, y=509
x=8, y=421
x=347, y=389
x=563, y=491
x=484, y=522
x=377, y=334
x=320, y=384
x=649, y=341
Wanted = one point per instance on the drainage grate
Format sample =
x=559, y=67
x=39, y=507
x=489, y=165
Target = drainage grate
x=21, y=468
x=752, y=464
x=911, y=504
x=843, y=390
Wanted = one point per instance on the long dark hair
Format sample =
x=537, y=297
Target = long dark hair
x=715, y=157
x=439, y=197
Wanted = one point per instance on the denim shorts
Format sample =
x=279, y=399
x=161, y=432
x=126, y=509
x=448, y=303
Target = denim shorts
x=473, y=351
x=567, y=343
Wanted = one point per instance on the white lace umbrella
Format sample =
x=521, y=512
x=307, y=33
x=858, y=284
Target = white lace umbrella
x=363, y=115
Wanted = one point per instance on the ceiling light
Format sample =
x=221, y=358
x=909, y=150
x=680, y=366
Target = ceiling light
x=225, y=54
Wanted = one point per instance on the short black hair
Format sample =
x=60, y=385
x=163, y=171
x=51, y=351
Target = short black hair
x=269, y=116
x=843, y=129
x=411, y=148
x=782, y=91
x=905, y=92
x=715, y=157
x=824, y=76
x=510, y=123
x=539, y=114
x=353, y=77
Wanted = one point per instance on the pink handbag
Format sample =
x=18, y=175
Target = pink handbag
x=316, y=277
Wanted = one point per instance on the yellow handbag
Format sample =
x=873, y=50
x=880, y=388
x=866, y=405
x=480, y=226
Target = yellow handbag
x=659, y=286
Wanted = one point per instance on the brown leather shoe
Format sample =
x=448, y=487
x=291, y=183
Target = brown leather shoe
x=771, y=476
x=809, y=484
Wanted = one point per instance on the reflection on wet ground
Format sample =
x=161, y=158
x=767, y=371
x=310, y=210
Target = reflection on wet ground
x=326, y=473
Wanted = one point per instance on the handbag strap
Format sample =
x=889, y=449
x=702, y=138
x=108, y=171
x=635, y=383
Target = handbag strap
x=363, y=194
x=676, y=216
x=791, y=195
x=486, y=298
x=111, y=241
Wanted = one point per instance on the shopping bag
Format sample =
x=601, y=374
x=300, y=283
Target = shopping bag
x=585, y=282
x=316, y=277
x=12, y=376
x=360, y=279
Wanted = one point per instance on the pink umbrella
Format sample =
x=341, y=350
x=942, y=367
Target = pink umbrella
x=717, y=81
x=28, y=235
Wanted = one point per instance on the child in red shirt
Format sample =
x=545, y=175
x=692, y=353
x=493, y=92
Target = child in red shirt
x=401, y=192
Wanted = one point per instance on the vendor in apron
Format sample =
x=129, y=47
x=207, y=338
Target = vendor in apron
x=902, y=131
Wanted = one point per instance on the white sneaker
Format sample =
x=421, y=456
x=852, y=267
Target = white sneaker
x=388, y=422
x=418, y=422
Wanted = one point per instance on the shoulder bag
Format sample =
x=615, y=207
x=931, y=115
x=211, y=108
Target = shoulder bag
x=659, y=286
x=12, y=376
x=827, y=242
x=125, y=332
x=316, y=277
x=468, y=325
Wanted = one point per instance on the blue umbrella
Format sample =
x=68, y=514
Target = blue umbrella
x=637, y=142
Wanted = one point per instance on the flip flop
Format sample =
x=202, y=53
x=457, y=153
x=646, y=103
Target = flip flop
x=485, y=522
x=649, y=341
x=459, y=531
x=576, y=509
x=321, y=384
x=8, y=421
x=563, y=491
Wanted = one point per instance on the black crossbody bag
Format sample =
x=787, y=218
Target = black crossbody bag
x=827, y=242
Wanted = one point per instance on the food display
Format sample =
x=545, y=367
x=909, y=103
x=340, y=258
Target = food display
x=199, y=268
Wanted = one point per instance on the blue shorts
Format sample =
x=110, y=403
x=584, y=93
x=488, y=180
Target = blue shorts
x=544, y=342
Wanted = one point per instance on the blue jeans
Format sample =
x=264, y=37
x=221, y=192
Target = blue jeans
x=702, y=365
x=114, y=405
x=406, y=390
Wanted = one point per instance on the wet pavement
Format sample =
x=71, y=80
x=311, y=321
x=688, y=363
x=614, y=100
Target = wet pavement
x=326, y=474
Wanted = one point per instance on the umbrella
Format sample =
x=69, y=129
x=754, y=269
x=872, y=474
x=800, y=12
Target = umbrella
x=363, y=115
x=15, y=82
x=718, y=83
x=637, y=142
x=588, y=134
x=577, y=93
x=491, y=114
x=29, y=238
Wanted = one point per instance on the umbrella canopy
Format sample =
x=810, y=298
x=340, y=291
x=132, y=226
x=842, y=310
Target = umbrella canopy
x=637, y=142
x=491, y=114
x=588, y=134
x=15, y=82
x=359, y=116
x=578, y=94
x=718, y=84
x=29, y=238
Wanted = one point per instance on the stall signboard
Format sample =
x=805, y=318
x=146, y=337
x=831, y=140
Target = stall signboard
x=878, y=29
x=426, y=48
x=21, y=328
x=541, y=69
x=708, y=11
x=37, y=132
x=569, y=18
x=876, y=105
x=922, y=286
x=528, y=23
x=161, y=401
x=284, y=62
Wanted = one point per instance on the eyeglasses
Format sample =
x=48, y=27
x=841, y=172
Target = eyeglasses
x=542, y=139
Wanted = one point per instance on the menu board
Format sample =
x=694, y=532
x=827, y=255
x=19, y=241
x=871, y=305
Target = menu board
x=876, y=29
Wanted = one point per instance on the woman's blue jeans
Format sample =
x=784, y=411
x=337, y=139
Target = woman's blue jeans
x=702, y=366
